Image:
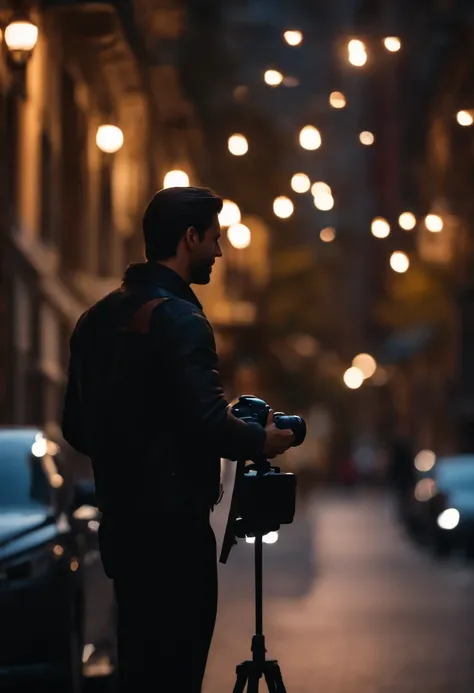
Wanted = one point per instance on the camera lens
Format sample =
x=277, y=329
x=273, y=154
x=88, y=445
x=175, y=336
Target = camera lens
x=296, y=424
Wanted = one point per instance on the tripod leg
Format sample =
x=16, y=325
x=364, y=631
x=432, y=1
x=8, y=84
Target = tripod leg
x=242, y=675
x=253, y=682
x=274, y=679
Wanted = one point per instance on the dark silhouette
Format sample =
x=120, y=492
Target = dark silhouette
x=145, y=402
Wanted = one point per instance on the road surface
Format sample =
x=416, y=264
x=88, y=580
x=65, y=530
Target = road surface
x=350, y=606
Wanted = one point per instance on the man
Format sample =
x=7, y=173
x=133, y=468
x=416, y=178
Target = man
x=145, y=402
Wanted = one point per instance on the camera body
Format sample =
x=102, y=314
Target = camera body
x=265, y=498
x=255, y=410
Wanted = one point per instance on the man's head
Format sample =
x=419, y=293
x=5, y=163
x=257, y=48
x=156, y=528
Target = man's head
x=181, y=229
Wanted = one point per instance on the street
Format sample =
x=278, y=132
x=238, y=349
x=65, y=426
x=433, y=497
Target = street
x=350, y=606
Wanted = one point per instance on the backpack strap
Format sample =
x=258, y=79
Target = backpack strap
x=140, y=322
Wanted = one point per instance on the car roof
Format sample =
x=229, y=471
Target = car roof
x=455, y=470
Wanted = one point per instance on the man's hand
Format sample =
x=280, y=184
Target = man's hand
x=277, y=441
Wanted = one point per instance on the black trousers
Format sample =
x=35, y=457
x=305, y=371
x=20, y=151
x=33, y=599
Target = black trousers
x=166, y=603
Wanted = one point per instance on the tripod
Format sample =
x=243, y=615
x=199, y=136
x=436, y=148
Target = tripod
x=252, y=670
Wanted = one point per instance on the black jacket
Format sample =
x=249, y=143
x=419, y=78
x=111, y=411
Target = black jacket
x=144, y=398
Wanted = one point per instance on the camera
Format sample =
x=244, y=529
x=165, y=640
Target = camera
x=255, y=410
x=263, y=497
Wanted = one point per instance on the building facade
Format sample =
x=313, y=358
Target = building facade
x=71, y=212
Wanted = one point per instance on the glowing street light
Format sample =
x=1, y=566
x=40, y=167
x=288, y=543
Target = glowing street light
x=273, y=78
x=366, y=364
x=434, y=223
x=357, y=53
x=176, y=179
x=425, y=460
x=392, y=43
x=283, y=207
x=109, y=139
x=319, y=188
x=310, y=138
x=238, y=145
x=464, y=118
x=293, y=37
x=21, y=37
x=399, y=262
x=300, y=183
x=239, y=236
x=323, y=201
x=407, y=221
x=353, y=378
x=328, y=234
x=229, y=214
x=380, y=227
x=367, y=138
x=337, y=99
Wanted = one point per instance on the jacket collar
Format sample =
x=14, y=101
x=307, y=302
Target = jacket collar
x=146, y=274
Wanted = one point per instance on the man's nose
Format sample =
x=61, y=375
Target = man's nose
x=218, y=252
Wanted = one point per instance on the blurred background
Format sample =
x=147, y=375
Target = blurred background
x=339, y=134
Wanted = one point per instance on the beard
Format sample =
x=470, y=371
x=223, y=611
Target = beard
x=201, y=273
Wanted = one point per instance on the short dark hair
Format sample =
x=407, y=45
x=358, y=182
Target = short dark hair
x=171, y=212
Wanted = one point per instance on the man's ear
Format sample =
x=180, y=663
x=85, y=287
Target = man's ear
x=191, y=237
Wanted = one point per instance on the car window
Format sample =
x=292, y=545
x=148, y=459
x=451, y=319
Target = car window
x=24, y=478
x=455, y=472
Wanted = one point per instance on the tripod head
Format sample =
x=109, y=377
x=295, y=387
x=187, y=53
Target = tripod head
x=263, y=497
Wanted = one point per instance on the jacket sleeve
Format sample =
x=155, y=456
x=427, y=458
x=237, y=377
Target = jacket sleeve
x=200, y=401
x=72, y=423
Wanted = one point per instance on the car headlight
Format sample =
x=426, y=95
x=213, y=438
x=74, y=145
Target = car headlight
x=448, y=519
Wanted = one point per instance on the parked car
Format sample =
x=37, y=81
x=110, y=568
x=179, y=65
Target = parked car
x=447, y=509
x=56, y=604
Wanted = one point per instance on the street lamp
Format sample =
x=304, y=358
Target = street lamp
x=238, y=144
x=337, y=99
x=176, y=179
x=407, y=221
x=353, y=378
x=283, y=207
x=293, y=37
x=392, y=43
x=229, y=214
x=399, y=262
x=367, y=138
x=239, y=236
x=465, y=118
x=21, y=37
x=109, y=138
x=273, y=78
x=357, y=53
x=300, y=183
x=380, y=227
x=310, y=138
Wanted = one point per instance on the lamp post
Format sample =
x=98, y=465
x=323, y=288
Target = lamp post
x=20, y=36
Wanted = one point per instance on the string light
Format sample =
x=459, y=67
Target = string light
x=293, y=37
x=283, y=207
x=380, y=227
x=337, y=99
x=464, y=118
x=300, y=183
x=328, y=234
x=273, y=78
x=392, y=44
x=310, y=137
x=367, y=138
x=434, y=223
x=238, y=145
x=399, y=262
x=407, y=221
